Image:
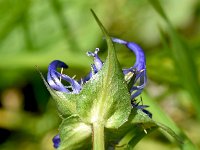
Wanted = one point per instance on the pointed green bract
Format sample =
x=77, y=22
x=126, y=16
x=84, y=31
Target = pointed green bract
x=105, y=97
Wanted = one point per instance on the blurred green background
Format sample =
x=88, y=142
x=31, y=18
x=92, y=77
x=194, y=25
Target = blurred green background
x=35, y=32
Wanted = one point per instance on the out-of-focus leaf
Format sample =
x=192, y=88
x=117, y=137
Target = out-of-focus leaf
x=160, y=116
x=185, y=65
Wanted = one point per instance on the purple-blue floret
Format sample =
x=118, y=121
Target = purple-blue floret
x=142, y=107
x=97, y=61
x=54, y=78
x=139, y=68
x=56, y=141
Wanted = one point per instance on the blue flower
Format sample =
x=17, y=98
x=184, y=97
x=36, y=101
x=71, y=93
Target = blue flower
x=135, y=77
x=136, y=72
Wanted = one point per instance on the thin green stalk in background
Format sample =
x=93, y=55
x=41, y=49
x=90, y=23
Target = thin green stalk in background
x=65, y=25
x=185, y=65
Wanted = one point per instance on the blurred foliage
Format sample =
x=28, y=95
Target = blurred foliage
x=37, y=32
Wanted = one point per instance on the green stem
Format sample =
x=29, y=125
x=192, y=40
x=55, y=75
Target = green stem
x=98, y=136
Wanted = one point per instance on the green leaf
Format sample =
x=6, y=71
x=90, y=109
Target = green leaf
x=170, y=132
x=141, y=125
x=134, y=136
x=74, y=134
x=105, y=97
x=130, y=133
x=138, y=126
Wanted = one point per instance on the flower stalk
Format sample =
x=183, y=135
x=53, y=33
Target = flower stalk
x=98, y=136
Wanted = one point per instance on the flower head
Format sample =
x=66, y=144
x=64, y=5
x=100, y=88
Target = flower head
x=137, y=72
x=134, y=76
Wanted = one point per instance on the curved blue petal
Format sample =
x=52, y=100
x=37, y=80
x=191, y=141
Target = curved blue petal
x=139, y=68
x=53, y=78
x=56, y=141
